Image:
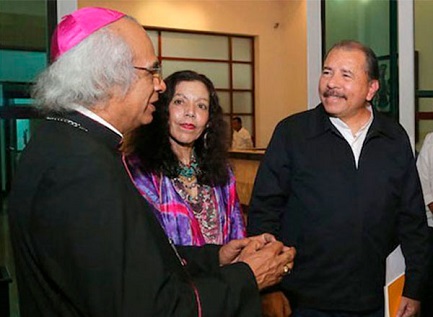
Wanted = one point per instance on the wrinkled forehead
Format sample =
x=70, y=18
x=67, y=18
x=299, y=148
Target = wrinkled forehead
x=352, y=58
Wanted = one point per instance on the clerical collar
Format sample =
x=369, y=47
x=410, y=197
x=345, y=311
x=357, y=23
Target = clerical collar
x=94, y=116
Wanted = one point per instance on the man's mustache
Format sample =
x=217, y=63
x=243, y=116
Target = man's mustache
x=333, y=93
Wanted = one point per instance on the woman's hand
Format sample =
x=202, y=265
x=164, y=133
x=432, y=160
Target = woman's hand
x=229, y=252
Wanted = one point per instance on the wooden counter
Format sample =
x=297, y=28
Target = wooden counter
x=245, y=164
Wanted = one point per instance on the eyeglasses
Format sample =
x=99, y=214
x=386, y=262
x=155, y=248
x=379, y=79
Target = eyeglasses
x=155, y=71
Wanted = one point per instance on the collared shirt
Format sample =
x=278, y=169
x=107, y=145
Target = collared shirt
x=425, y=169
x=355, y=141
x=242, y=139
x=94, y=116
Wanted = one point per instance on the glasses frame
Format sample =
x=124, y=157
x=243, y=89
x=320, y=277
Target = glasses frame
x=156, y=72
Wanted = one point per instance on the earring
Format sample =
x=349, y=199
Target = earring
x=205, y=139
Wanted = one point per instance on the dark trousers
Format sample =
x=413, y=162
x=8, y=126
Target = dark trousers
x=304, y=312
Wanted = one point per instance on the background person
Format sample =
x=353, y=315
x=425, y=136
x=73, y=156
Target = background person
x=339, y=182
x=85, y=241
x=241, y=138
x=425, y=169
x=180, y=164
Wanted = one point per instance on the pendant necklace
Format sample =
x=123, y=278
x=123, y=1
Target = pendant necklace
x=187, y=179
x=189, y=171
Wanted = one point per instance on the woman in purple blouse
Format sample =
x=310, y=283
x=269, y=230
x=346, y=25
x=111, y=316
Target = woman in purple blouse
x=179, y=163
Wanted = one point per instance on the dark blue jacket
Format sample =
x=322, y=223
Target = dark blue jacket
x=343, y=220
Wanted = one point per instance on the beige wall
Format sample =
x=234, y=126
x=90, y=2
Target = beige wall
x=281, y=52
x=424, y=46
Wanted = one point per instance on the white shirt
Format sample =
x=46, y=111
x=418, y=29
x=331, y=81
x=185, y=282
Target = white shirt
x=355, y=141
x=424, y=164
x=242, y=139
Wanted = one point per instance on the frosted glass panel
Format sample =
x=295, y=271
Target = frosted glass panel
x=241, y=49
x=242, y=102
x=242, y=76
x=217, y=72
x=247, y=123
x=154, y=38
x=228, y=121
x=224, y=98
x=194, y=46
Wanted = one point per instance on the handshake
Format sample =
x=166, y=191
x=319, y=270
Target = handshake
x=268, y=258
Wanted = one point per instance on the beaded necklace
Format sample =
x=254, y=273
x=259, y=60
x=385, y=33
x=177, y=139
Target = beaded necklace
x=189, y=171
x=184, y=191
x=186, y=181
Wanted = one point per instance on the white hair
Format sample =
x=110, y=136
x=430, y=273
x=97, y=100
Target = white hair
x=87, y=74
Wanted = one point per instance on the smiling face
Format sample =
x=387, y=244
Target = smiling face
x=188, y=113
x=344, y=86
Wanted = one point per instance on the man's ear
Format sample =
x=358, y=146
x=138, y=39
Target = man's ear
x=372, y=89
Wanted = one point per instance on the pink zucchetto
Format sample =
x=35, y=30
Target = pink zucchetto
x=78, y=25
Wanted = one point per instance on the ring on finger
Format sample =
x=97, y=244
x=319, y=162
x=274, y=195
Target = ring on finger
x=286, y=269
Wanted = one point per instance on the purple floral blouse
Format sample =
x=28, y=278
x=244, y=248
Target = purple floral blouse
x=215, y=217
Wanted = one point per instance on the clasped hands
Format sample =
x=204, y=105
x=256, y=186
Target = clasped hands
x=268, y=258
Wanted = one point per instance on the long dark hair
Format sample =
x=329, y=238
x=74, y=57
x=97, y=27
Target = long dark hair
x=151, y=143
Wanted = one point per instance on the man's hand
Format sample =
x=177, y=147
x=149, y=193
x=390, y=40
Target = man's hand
x=275, y=304
x=269, y=263
x=229, y=252
x=408, y=307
